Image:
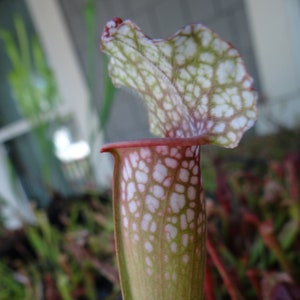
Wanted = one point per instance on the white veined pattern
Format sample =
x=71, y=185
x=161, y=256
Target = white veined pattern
x=197, y=92
x=193, y=83
x=161, y=230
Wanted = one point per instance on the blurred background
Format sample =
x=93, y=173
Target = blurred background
x=58, y=106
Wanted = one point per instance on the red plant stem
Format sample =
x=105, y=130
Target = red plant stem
x=292, y=178
x=208, y=283
x=232, y=290
x=50, y=289
x=266, y=231
x=292, y=166
x=106, y=270
x=223, y=191
x=255, y=279
x=250, y=218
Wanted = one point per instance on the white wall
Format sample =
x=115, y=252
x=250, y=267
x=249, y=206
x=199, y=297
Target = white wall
x=275, y=28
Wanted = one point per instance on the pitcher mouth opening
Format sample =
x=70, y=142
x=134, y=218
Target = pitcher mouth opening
x=184, y=142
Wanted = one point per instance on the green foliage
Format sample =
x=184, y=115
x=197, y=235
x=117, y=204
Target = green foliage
x=108, y=97
x=31, y=79
x=90, y=23
x=66, y=257
x=253, y=217
x=34, y=89
x=92, y=51
x=10, y=287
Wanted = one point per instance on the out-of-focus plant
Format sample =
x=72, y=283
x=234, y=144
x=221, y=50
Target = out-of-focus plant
x=239, y=262
x=10, y=288
x=58, y=257
x=31, y=79
x=253, y=248
x=197, y=92
x=108, y=87
x=34, y=90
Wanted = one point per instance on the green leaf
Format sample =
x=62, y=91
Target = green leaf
x=108, y=99
x=194, y=83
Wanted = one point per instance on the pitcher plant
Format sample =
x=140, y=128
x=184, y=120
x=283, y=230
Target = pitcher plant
x=197, y=92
